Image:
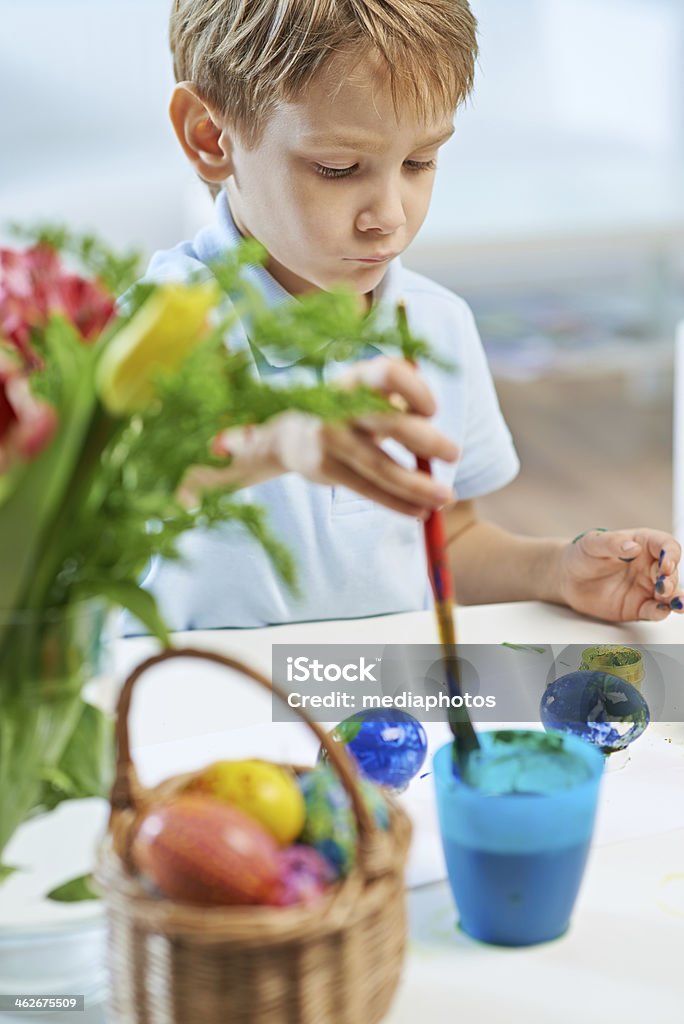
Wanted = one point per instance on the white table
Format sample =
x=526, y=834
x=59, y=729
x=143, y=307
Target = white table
x=622, y=955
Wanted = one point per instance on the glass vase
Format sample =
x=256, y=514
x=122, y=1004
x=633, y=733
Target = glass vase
x=46, y=657
x=56, y=755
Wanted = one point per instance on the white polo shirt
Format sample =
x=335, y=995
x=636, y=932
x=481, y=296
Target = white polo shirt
x=354, y=557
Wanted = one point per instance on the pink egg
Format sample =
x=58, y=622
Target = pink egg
x=304, y=875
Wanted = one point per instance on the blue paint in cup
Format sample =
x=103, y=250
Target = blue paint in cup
x=516, y=832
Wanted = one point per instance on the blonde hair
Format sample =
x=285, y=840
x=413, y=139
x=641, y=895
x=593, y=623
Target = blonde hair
x=245, y=55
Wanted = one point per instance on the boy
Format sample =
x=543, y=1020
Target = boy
x=318, y=123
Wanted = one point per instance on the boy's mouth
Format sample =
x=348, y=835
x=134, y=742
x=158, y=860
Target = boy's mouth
x=379, y=258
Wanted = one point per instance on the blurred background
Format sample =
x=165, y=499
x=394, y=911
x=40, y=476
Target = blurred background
x=558, y=214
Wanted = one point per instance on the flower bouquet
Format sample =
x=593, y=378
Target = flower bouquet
x=103, y=411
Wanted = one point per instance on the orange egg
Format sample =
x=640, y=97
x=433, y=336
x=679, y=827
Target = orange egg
x=199, y=850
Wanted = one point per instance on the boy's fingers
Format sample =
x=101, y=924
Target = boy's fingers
x=393, y=376
x=628, y=544
x=666, y=553
x=654, y=611
x=342, y=474
x=666, y=586
x=364, y=458
x=610, y=544
x=661, y=547
x=416, y=434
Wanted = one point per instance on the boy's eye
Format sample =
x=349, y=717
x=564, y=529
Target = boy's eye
x=421, y=165
x=344, y=172
x=334, y=172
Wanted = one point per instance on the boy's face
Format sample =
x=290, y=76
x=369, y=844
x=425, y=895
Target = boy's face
x=336, y=187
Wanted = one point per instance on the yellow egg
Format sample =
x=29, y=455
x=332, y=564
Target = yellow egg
x=267, y=792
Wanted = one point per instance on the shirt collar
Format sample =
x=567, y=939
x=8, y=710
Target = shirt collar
x=227, y=236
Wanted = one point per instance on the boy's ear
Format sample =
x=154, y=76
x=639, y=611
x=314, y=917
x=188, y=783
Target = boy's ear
x=204, y=142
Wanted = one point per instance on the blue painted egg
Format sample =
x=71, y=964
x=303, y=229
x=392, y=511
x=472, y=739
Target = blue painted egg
x=599, y=707
x=330, y=826
x=388, y=744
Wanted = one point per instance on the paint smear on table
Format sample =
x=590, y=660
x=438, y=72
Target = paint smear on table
x=671, y=894
x=525, y=647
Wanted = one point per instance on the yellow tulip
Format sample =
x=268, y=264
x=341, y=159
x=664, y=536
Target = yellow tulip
x=158, y=338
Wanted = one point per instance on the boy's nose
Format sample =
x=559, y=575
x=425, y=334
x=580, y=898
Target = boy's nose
x=385, y=213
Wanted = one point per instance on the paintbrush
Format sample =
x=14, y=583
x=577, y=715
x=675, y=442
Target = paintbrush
x=465, y=737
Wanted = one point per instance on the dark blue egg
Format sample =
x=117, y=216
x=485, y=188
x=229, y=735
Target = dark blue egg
x=389, y=745
x=599, y=707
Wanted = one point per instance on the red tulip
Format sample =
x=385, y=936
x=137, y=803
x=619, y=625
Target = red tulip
x=86, y=304
x=24, y=299
x=27, y=423
x=34, y=286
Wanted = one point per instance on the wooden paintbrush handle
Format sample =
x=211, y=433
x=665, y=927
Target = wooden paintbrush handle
x=435, y=543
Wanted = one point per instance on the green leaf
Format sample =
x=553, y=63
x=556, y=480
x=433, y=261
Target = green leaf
x=75, y=890
x=86, y=767
x=133, y=598
x=32, y=508
x=56, y=782
x=6, y=870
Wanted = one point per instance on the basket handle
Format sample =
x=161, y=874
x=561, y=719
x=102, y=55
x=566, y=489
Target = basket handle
x=126, y=788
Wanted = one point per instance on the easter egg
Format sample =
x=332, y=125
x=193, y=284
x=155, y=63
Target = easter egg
x=598, y=706
x=198, y=850
x=305, y=876
x=388, y=744
x=330, y=825
x=267, y=792
x=375, y=802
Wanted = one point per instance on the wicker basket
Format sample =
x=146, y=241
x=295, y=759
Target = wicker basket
x=170, y=963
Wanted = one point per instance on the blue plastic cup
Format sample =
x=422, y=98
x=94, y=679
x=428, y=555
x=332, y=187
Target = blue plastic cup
x=516, y=859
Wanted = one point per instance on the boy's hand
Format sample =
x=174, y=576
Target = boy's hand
x=346, y=453
x=622, y=575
